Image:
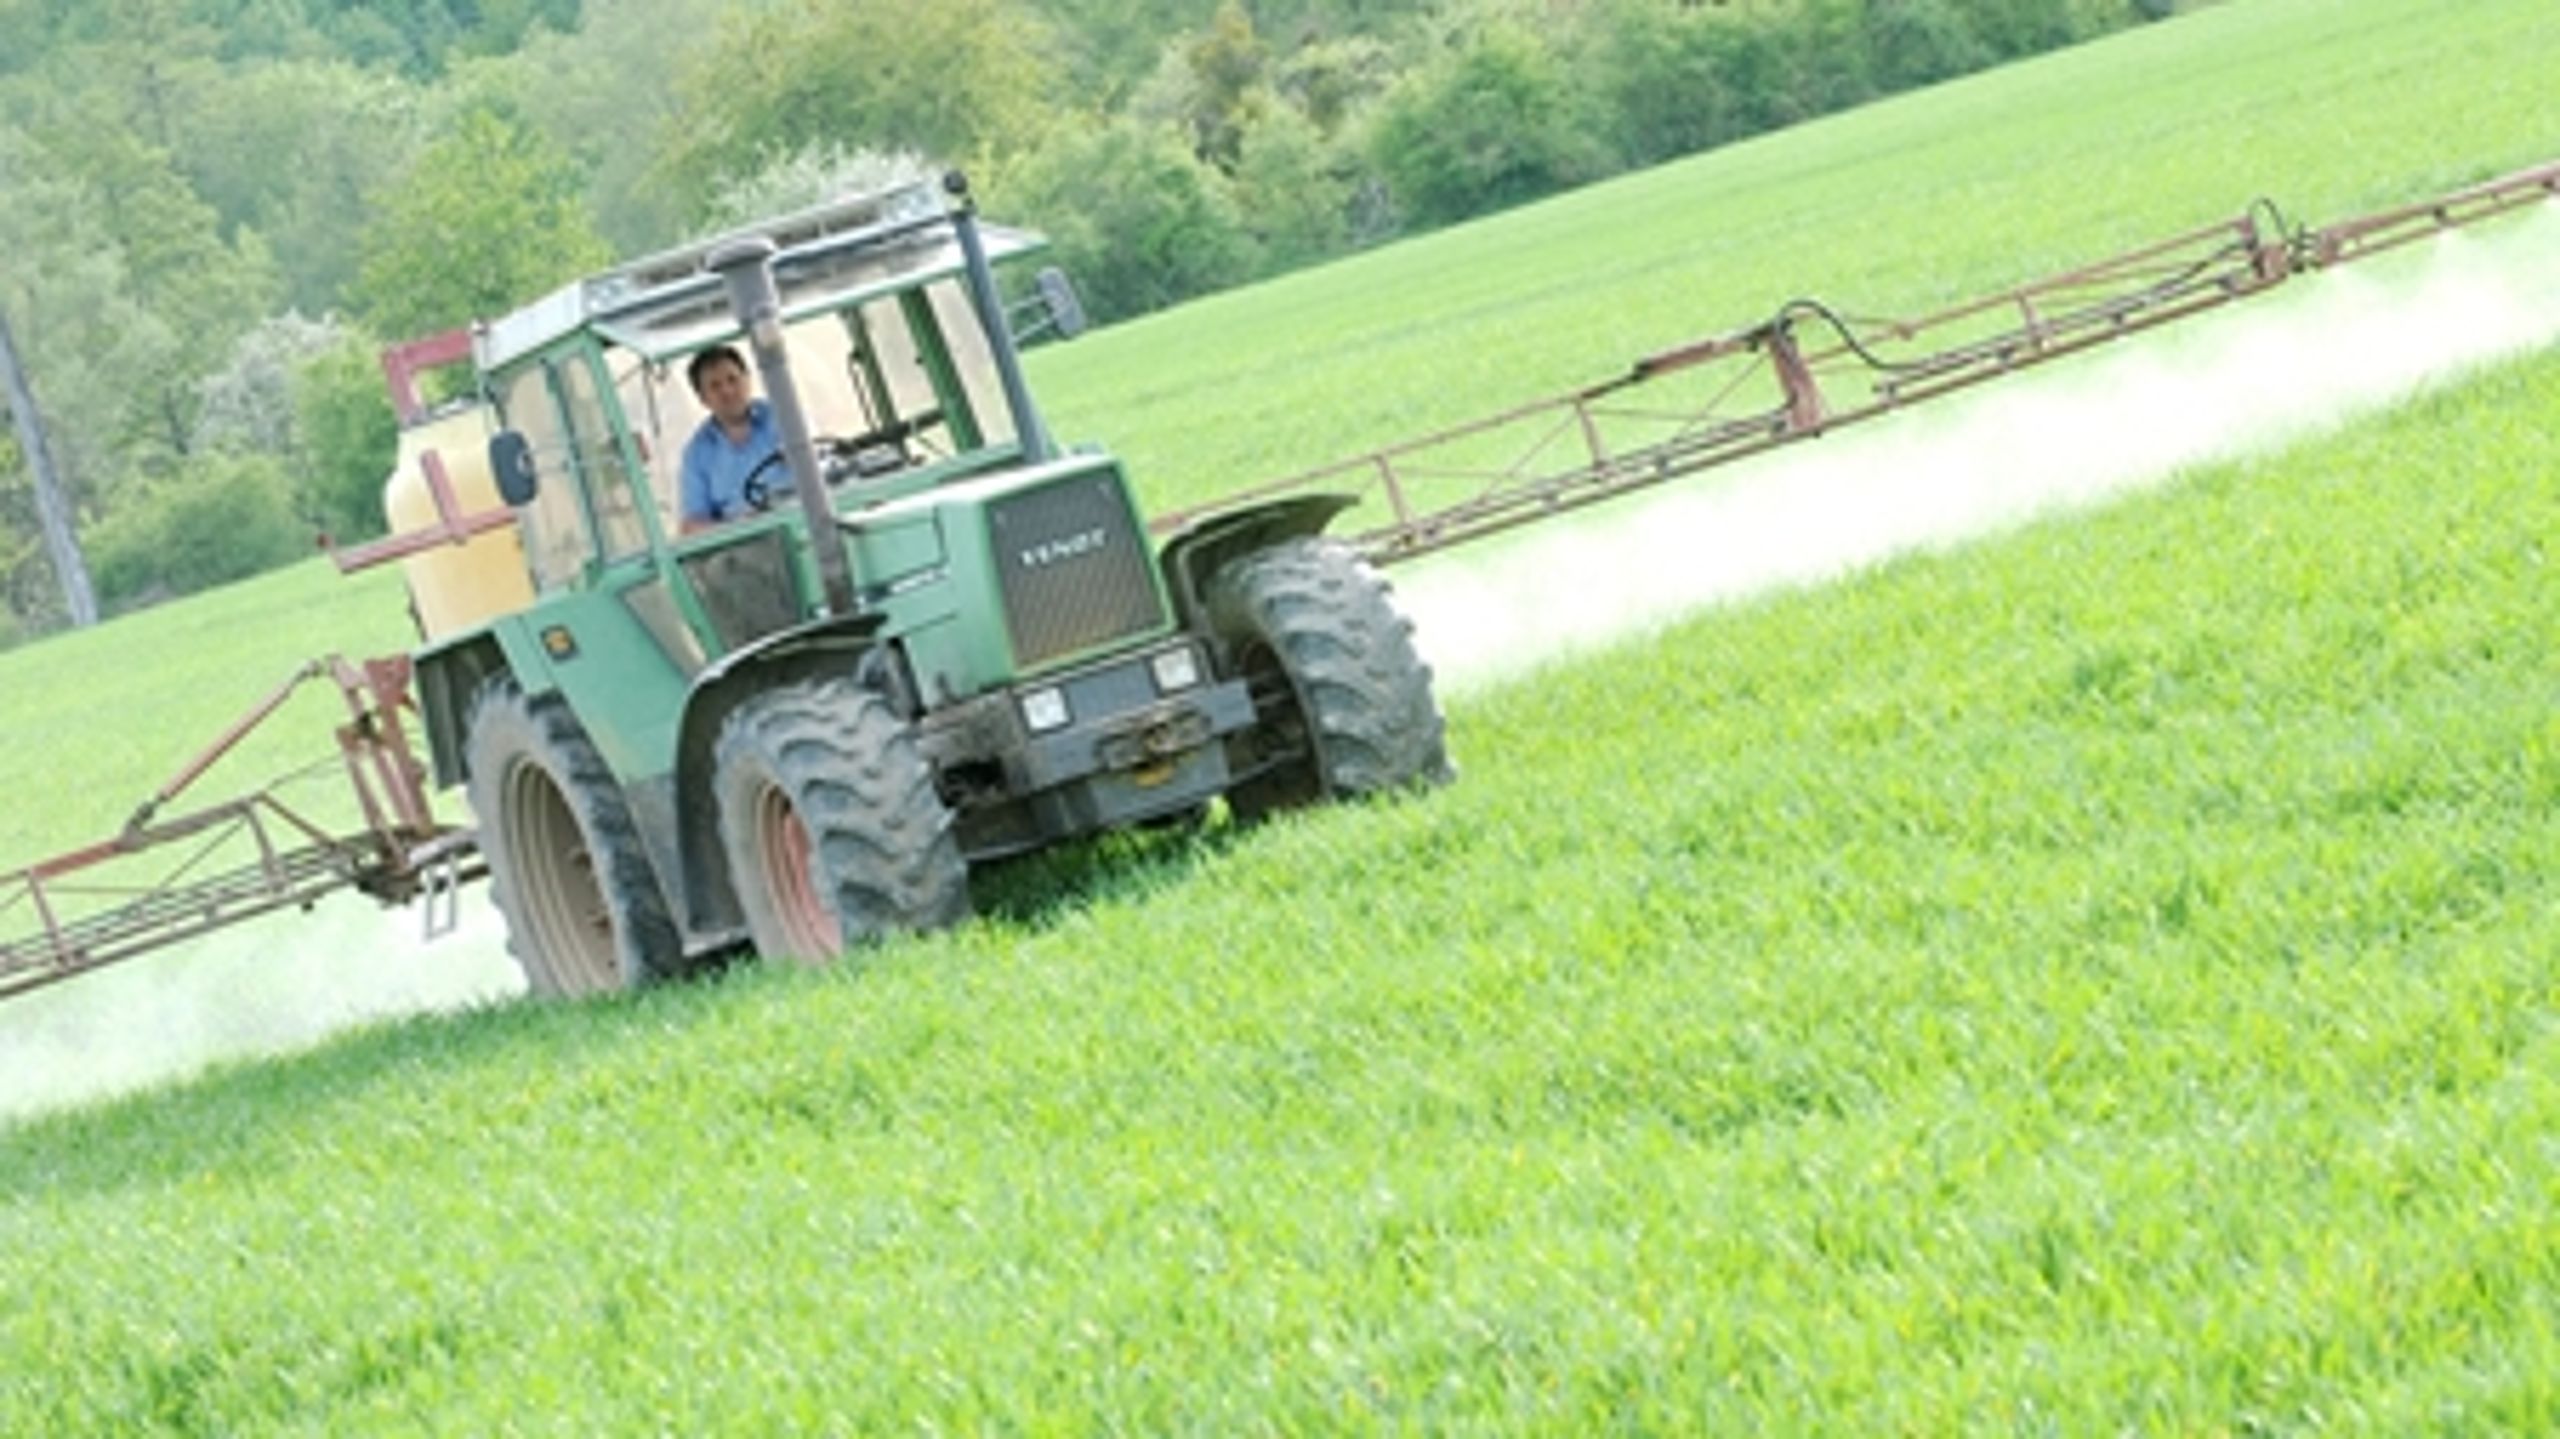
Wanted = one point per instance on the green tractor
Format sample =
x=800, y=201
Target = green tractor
x=934, y=639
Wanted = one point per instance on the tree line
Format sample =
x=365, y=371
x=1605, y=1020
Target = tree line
x=213, y=213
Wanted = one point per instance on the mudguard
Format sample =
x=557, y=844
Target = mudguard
x=1198, y=550
x=841, y=644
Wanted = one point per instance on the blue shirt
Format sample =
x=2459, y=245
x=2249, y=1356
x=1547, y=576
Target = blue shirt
x=715, y=469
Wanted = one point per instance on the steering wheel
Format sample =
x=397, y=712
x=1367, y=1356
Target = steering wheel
x=757, y=491
x=861, y=456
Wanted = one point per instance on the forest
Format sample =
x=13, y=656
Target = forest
x=214, y=213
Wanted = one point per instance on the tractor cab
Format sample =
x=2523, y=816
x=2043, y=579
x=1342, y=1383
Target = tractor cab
x=885, y=355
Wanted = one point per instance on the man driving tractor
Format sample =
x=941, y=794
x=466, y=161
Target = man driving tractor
x=734, y=443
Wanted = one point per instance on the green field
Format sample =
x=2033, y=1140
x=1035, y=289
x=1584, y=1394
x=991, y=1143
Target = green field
x=2096, y=979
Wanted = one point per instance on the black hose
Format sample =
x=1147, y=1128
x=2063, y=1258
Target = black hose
x=2293, y=237
x=1796, y=308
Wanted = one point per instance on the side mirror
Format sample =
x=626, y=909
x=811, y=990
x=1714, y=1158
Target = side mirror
x=1050, y=311
x=1058, y=294
x=511, y=461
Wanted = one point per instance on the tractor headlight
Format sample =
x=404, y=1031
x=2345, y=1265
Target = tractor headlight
x=1045, y=709
x=1176, y=670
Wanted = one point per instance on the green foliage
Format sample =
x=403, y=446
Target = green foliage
x=1487, y=126
x=225, y=518
x=32, y=595
x=206, y=290
x=1679, y=78
x=107, y=317
x=24, y=34
x=247, y=405
x=952, y=81
x=1674, y=78
x=1105, y=48
x=414, y=36
x=291, y=150
x=1228, y=63
x=808, y=177
x=490, y=216
x=1292, y=190
x=1136, y=217
x=1109, y=47
x=496, y=27
x=350, y=438
x=2018, y=27
x=1920, y=42
x=607, y=97
x=1331, y=80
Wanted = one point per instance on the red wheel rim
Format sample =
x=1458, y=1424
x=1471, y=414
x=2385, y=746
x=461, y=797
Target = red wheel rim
x=564, y=913
x=809, y=926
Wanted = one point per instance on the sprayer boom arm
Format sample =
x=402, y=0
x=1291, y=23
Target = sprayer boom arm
x=162, y=880
x=1809, y=369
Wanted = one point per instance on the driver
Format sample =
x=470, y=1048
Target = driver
x=735, y=441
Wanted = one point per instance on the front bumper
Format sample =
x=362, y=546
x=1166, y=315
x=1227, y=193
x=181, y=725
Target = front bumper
x=1126, y=752
x=1162, y=760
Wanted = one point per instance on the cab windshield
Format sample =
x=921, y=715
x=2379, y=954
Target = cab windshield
x=894, y=383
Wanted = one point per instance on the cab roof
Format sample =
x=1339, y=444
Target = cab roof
x=828, y=257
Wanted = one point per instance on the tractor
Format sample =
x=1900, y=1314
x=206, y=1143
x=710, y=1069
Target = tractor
x=936, y=639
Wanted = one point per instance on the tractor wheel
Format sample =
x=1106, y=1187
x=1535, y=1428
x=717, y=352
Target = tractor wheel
x=583, y=909
x=828, y=815
x=1344, y=702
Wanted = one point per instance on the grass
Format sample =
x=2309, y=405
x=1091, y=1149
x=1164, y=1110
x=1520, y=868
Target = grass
x=2004, y=1001
x=100, y=719
x=2096, y=980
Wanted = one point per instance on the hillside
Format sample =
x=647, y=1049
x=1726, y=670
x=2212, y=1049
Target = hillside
x=2094, y=979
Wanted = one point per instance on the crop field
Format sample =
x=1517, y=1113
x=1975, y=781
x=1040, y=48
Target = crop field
x=2100, y=979
x=2097, y=978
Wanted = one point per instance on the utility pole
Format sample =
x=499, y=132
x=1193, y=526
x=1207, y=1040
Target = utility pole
x=53, y=507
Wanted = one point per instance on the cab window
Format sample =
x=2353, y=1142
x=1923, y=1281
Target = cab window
x=556, y=542
x=598, y=458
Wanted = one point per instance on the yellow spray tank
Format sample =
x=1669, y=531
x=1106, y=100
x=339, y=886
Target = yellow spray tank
x=455, y=537
x=454, y=586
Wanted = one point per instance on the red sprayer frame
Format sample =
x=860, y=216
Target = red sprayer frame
x=164, y=880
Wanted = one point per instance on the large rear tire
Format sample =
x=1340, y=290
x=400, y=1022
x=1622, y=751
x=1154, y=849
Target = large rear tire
x=832, y=828
x=583, y=908
x=1343, y=701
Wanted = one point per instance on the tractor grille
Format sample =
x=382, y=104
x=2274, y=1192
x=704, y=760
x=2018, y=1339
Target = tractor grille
x=1073, y=567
